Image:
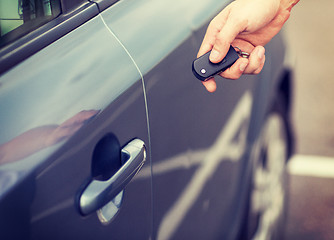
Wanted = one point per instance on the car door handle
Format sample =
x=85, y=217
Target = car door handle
x=99, y=193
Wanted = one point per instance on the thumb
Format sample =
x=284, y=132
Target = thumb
x=225, y=37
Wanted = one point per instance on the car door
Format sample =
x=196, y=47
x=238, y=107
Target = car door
x=74, y=129
x=199, y=140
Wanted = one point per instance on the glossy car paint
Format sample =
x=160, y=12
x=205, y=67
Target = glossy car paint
x=49, y=88
x=199, y=144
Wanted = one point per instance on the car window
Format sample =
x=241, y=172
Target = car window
x=18, y=17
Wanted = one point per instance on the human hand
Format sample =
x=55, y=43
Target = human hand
x=248, y=25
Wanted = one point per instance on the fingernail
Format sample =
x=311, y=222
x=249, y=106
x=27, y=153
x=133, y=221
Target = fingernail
x=260, y=53
x=214, y=55
x=242, y=66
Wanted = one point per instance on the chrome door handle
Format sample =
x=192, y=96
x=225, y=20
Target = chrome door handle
x=99, y=193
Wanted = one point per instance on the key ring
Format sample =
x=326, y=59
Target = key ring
x=242, y=53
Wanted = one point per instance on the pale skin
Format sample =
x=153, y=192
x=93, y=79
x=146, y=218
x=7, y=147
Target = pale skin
x=248, y=25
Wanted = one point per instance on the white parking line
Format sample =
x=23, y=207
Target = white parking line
x=313, y=166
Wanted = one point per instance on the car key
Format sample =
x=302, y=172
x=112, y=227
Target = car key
x=203, y=68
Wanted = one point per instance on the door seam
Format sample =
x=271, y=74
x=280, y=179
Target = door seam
x=146, y=109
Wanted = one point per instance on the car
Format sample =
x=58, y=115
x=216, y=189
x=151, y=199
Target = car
x=107, y=134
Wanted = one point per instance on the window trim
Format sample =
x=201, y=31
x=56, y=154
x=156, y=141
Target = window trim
x=22, y=48
x=103, y=4
x=27, y=27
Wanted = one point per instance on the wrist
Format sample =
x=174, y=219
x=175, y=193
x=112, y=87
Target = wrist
x=288, y=4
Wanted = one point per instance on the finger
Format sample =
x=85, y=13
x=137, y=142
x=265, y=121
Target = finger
x=210, y=85
x=225, y=37
x=257, y=71
x=255, y=60
x=208, y=40
x=213, y=29
x=236, y=70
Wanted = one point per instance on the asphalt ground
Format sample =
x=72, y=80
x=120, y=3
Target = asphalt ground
x=310, y=37
x=311, y=198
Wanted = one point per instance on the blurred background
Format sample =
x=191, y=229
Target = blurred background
x=310, y=37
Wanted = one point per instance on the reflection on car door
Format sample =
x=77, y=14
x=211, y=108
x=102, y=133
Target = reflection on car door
x=198, y=139
x=56, y=106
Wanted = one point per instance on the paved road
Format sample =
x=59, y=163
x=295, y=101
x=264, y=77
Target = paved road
x=311, y=209
x=311, y=205
x=310, y=35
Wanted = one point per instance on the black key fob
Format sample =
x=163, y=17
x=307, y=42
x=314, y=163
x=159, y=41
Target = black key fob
x=204, y=69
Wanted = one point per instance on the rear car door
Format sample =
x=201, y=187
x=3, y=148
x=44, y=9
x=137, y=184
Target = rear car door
x=73, y=127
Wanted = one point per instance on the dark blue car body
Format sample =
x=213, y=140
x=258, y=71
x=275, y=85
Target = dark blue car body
x=106, y=134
